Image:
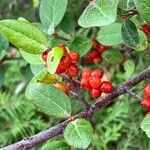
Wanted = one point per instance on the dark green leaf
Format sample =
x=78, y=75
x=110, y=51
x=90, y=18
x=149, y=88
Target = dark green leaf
x=81, y=44
x=78, y=133
x=99, y=13
x=2, y=75
x=110, y=35
x=49, y=99
x=130, y=34
x=24, y=35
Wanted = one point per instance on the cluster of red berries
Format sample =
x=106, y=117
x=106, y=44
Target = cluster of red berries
x=91, y=81
x=94, y=56
x=68, y=63
x=146, y=29
x=146, y=101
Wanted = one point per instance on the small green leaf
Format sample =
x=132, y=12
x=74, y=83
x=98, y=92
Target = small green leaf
x=31, y=58
x=130, y=34
x=52, y=12
x=112, y=56
x=78, y=133
x=99, y=13
x=4, y=45
x=49, y=99
x=126, y=4
x=53, y=59
x=145, y=125
x=110, y=35
x=129, y=68
x=143, y=42
x=143, y=7
x=81, y=44
x=55, y=145
x=24, y=35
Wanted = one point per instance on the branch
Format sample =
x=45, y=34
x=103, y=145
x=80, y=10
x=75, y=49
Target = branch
x=32, y=141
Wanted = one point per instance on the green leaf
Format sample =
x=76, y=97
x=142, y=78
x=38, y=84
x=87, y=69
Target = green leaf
x=2, y=75
x=55, y=145
x=36, y=68
x=78, y=133
x=143, y=42
x=112, y=56
x=130, y=34
x=52, y=12
x=126, y=4
x=31, y=58
x=129, y=68
x=110, y=35
x=24, y=35
x=81, y=44
x=53, y=59
x=4, y=45
x=49, y=99
x=145, y=125
x=143, y=7
x=99, y=13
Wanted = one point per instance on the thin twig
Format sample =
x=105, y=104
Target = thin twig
x=32, y=141
x=135, y=95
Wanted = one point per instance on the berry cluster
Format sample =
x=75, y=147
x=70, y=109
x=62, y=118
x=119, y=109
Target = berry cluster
x=68, y=63
x=146, y=101
x=91, y=81
x=94, y=56
x=146, y=29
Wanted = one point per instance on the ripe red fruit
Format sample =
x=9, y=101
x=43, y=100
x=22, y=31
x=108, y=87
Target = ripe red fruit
x=147, y=90
x=97, y=73
x=72, y=71
x=146, y=29
x=44, y=54
x=106, y=87
x=74, y=56
x=85, y=83
x=64, y=48
x=146, y=102
x=102, y=48
x=95, y=93
x=86, y=73
x=95, y=82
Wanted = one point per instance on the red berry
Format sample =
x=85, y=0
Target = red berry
x=72, y=71
x=102, y=48
x=44, y=54
x=74, y=56
x=95, y=82
x=86, y=73
x=106, y=87
x=85, y=83
x=146, y=29
x=95, y=93
x=147, y=90
x=97, y=73
x=146, y=102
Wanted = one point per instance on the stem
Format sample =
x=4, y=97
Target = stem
x=32, y=141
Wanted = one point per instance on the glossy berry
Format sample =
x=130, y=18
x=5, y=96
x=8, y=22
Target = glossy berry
x=85, y=83
x=146, y=29
x=86, y=73
x=146, y=103
x=95, y=93
x=147, y=90
x=102, y=48
x=95, y=82
x=106, y=87
x=72, y=71
x=44, y=54
x=74, y=56
x=97, y=73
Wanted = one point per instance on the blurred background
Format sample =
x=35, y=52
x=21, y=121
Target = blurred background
x=116, y=127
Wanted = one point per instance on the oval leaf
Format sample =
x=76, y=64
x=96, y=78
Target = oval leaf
x=99, y=13
x=110, y=35
x=78, y=133
x=81, y=44
x=143, y=6
x=24, y=36
x=145, y=125
x=130, y=34
x=49, y=99
x=53, y=59
x=52, y=12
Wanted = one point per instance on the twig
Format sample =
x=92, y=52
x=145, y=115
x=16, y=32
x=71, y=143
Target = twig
x=134, y=95
x=32, y=141
x=76, y=91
